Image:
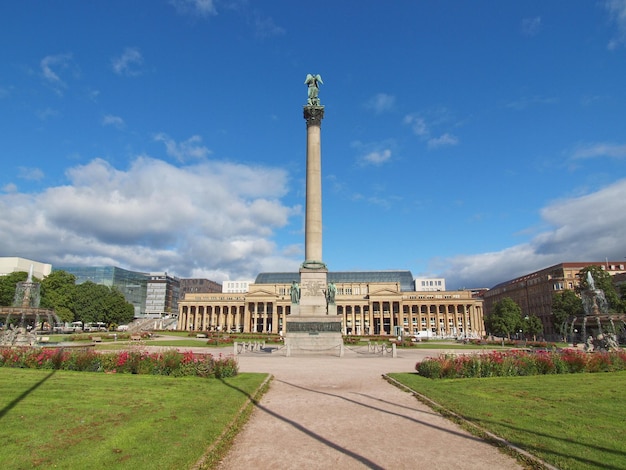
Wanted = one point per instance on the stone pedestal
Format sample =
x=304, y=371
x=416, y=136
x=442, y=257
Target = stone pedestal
x=313, y=335
x=313, y=285
x=311, y=329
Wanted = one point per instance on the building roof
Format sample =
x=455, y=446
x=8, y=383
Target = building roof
x=404, y=278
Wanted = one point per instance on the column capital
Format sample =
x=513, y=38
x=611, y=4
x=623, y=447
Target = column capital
x=313, y=115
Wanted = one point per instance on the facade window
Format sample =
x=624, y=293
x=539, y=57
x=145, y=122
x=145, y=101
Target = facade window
x=348, y=290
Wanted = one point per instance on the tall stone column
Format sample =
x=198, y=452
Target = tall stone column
x=313, y=273
x=313, y=222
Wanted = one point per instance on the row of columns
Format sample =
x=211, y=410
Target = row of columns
x=363, y=318
x=444, y=319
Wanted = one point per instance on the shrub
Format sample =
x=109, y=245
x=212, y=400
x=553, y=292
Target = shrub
x=130, y=362
x=512, y=363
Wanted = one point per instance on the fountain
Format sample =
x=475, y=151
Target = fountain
x=22, y=321
x=597, y=327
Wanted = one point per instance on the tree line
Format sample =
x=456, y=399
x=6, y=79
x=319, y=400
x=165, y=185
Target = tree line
x=506, y=318
x=87, y=302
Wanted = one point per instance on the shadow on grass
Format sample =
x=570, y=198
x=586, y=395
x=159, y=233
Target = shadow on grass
x=535, y=449
x=24, y=394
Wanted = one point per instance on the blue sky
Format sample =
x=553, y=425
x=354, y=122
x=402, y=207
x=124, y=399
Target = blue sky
x=476, y=141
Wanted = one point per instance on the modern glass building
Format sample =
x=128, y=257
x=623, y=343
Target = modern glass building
x=163, y=293
x=132, y=284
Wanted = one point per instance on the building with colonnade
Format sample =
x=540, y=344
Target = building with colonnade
x=370, y=302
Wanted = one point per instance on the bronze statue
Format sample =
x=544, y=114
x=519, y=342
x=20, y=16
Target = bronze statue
x=294, y=293
x=313, y=82
x=332, y=291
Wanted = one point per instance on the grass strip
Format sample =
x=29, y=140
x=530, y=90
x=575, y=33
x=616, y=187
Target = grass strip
x=69, y=420
x=218, y=450
x=571, y=421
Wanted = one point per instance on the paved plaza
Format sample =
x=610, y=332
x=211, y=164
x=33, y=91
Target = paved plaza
x=330, y=412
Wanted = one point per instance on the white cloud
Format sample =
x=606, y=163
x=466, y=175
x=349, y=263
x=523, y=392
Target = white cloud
x=265, y=26
x=9, y=188
x=115, y=121
x=30, y=174
x=425, y=127
x=211, y=217
x=526, y=102
x=51, y=66
x=617, y=14
x=599, y=149
x=444, y=140
x=586, y=228
x=377, y=157
x=418, y=125
x=201, y=8
x=373, y=153
x=531, y=26
x=128, y=63
x=45, y=114
x=381, y=102
x=183, y=151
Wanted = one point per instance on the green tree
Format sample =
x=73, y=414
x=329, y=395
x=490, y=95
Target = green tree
x=58, y=292
x=531, y=326
x=90, y=302
x=119, y=311
x=565, y=305
x=7, y=287
x=603, y=281
x=505, y=318
x=99, y=303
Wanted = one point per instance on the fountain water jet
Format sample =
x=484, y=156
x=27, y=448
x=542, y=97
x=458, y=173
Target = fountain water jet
x=24, y=318
x=596, y=307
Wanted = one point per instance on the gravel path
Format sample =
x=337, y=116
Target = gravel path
x=330, y=412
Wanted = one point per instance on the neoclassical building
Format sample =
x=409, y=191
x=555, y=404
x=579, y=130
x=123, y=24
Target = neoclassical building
x=534, y=292
x=370, y=302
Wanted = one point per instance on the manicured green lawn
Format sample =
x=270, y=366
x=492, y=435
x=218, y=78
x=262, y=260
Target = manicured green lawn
x=70, y=420
x=572, y=421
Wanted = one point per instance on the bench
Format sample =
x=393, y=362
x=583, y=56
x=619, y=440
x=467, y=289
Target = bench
x=135, y=337
x=96, y=339
x=43, y=339
x=201, y=335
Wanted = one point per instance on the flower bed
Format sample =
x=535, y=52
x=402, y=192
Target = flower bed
x=515, y=362
x=122, y=362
